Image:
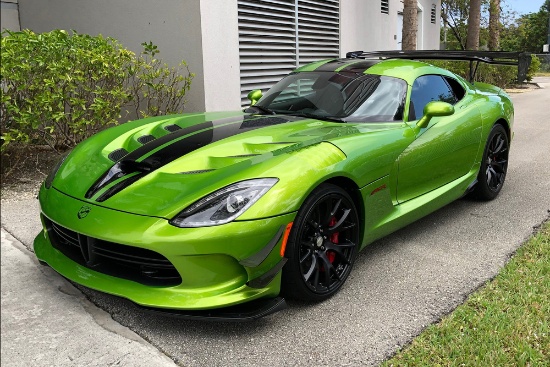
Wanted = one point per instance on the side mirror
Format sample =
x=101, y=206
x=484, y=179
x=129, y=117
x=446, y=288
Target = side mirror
x=254, y=96
x=433, y=109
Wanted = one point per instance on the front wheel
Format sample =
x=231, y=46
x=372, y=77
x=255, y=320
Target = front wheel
x=322, y=245
x=494, y=165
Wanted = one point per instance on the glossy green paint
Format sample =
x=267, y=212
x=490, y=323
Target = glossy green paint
x=435, y=109
x=254, y=96
x=400, y=171
x=207, y=258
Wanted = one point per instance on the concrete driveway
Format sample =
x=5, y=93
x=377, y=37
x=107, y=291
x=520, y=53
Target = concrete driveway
x=399, y=284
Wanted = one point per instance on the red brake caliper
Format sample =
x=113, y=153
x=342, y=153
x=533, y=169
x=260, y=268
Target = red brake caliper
x=334, y=239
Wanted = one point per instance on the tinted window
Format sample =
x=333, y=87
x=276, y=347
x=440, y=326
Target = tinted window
x=349, y=97
x=457, y=88
x=429, y=88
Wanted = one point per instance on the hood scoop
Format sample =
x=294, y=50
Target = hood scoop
x=156, y=153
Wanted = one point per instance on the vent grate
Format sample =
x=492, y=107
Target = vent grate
x=433, y=14
x=385, y=6
x=128, y=262
x=117, y=154
x=172, y=128
x=277, y=36
x=146, y=139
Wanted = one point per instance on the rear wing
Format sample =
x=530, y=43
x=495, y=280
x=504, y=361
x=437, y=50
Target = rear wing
x=520, y=59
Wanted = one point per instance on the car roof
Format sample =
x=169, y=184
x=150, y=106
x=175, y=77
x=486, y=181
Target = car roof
x=405, y=69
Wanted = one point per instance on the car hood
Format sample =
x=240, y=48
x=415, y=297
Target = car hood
x=158, y=166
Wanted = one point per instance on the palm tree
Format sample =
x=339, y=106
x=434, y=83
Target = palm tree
x=410, y=26
x=474, y=18
x=494, y=25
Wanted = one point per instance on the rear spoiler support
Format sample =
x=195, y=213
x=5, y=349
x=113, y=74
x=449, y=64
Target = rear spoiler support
x=520, y=59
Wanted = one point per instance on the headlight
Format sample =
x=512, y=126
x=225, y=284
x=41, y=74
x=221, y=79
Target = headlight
x=53, y=172
x=224, y=205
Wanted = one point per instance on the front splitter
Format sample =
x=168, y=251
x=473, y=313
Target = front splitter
x=248, y=311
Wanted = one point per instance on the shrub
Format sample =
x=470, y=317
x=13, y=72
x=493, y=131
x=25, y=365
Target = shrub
x=533, y=68
x=157, y=89
x=58, y=88
x=499, y=75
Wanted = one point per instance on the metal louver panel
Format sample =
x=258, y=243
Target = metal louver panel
x=385, y=7
x=277, y=36
x=318, y=30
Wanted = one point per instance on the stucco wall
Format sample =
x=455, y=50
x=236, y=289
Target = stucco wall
x=9, y=15
x=220, y=45
x=173, y=25
x=364, y=27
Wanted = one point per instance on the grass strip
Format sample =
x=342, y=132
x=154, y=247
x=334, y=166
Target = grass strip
x=505, y=323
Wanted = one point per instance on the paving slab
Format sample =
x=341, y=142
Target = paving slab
x=47, y=322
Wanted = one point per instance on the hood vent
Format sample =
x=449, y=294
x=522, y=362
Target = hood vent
x=172, y=128
x=146, y=139
x=117, y=154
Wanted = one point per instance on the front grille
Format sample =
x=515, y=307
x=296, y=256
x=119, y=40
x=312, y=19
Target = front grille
x=128, y=262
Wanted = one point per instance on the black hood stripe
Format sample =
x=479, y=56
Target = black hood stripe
x=170, y=147
x=359, y=67
x=345, y=65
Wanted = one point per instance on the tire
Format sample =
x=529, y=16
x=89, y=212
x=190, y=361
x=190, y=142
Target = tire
x=322, y=245
x=494, y=165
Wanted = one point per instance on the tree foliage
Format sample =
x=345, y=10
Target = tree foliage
x=512, y=32
x=529, y=32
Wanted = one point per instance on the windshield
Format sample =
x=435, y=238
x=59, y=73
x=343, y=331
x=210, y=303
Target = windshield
x=335, y=96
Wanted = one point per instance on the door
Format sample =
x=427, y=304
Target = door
x=447, y=148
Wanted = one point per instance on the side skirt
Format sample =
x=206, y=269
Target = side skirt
x=398, y=216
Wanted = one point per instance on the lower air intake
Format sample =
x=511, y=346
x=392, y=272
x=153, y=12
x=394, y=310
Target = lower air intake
x=128, y=262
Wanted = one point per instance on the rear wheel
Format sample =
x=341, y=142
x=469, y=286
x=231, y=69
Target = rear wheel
x=494, y=165
x=322, y=245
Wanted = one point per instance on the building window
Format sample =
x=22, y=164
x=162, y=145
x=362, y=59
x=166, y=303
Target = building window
x=433, y=14
x=277, y=36
x=385, y=6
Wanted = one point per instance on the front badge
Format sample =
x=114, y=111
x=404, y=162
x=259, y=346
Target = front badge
x=83, y=212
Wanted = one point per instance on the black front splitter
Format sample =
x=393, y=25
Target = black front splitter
x=243, y=312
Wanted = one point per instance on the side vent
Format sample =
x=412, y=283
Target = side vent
x=242, y=155
x=146, y=139
x=196, y=172
x=118, y=154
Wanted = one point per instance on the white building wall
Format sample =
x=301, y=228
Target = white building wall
x=220, y=55
x=9, y=15
x=173, y=25
x=364, y=27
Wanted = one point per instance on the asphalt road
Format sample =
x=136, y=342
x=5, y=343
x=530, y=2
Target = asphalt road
x=398, y=286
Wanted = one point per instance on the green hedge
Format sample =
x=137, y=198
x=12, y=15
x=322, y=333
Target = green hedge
x=58, y=88
x=501, y=76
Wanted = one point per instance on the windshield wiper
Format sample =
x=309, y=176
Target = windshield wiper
x=262, y=109
x=317, y=117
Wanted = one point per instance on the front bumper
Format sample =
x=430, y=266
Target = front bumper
x=219, y=266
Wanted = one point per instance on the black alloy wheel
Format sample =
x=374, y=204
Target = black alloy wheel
x=494, y=165
x=322, y=246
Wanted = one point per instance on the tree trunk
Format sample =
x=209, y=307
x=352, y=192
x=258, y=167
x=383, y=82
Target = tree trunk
x=410, y=19
x=474, y=18
x=494, y=25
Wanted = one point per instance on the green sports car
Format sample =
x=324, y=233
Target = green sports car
x=221, y=214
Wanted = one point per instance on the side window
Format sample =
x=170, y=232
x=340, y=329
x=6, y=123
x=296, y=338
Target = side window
x=457, y=88
x=429, y=88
